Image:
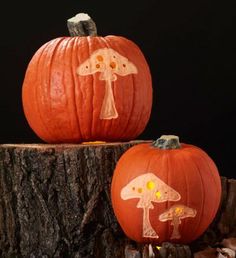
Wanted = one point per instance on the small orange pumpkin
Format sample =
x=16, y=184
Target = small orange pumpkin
x=165, y=191
x=87, y=88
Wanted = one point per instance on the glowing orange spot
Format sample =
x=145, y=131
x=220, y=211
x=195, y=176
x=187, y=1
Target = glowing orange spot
x=97, y=65
x=100, y=58
x=158, y=195
x=140, y=190
x=95, y=142
x=113, y=65
x=178, y=210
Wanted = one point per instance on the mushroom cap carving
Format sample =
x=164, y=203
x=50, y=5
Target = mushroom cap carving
x=177, y=211
x=109, y=63
x=149, y=188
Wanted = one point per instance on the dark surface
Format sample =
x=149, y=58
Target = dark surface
x=189, y=46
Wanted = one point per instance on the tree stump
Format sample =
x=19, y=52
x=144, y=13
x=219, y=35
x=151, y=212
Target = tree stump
x=55, y=200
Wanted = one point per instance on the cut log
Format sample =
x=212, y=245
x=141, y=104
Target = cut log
x=55, y=200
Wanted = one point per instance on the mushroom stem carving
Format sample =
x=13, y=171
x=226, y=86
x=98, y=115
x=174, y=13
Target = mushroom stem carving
x=148, y=230
x=148, y=188
x=175, y=214
x=110, y=64
x=175, y=223
x=108, y=110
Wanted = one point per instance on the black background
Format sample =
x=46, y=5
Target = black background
x=189, y=46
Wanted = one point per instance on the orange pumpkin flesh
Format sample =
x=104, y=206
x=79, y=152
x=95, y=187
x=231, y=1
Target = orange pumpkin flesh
x=189, y=171
x=63, y=106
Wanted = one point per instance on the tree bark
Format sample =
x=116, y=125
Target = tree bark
x=55, y=201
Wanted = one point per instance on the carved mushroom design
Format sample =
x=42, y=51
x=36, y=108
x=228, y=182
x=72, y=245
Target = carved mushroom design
x=148, y=188
x=109, y=63
x=176, y=213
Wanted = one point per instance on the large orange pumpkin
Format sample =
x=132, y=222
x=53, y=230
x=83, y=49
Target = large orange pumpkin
x=85, y=87
x=165, y=191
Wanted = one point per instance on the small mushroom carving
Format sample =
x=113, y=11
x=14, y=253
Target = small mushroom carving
x=109, y=63
x=176, y=213
x=148, y=188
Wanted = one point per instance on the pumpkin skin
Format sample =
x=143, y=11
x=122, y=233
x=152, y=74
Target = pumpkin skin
x=61, y=105
x=188, y=171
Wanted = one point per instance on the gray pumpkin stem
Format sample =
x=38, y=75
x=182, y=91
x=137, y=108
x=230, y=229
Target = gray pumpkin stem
x=167, y=142
x=81, y=25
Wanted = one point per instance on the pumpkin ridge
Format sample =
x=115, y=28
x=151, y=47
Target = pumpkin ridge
x=132, y=107
x=187, y=197
x=203, y=194
x=206, y=156
x=93, y=91
x=138, y=125
x=105, y=123
x=80, y=92
x=110, y=123
x=42, y=49
x=150, y=155
x=134, y=128
x=108, y=45
x=155, y=159
x=161, y=159
x=212, y=174
x=74, y=79
x=141, y=112
x=186, y=194
x=122, y=136
x=55, y=44
x=167, y=155
x=52, y=60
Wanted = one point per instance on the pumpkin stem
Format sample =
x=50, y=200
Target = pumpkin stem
x=81, y=25
x=166, y=142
